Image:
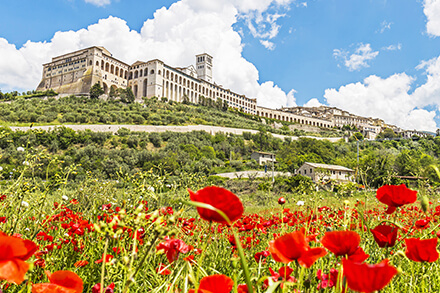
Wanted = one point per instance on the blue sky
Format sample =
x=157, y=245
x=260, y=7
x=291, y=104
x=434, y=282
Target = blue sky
x=376, y=58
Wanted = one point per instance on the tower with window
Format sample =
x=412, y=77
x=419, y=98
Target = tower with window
x=204, y=67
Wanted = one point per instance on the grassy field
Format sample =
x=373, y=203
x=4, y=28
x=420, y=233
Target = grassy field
x=126, y=221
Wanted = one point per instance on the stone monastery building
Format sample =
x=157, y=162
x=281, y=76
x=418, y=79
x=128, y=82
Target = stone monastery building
x=76, y=72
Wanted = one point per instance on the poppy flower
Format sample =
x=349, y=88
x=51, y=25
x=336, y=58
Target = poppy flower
x=173, y=247
x=283, y=274
x=293, y=246
x=385, y=235
x=281, y=200
x=341, y=243
x=221, y=199
x=363, y=277
x=358, y=256
x=214, y=284
x=422, y=223
x=60, y=282
x=327, y=280
x=97, y=288
x=13, y=253
x=80, y=263
x=395, y=196
x=163, y=270
x=242, y=288
x=421, y=250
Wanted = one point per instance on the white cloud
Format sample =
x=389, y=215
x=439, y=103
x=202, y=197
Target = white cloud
x=312, y=103
x=268, y=44
x=388, y=99
x=393, y=47
x=358, y=59
x=432, y=12
x=385, y=26
x=429, y=92
x=174, y=35
x=98, y=2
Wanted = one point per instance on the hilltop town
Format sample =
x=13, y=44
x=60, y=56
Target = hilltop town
x=75, y=73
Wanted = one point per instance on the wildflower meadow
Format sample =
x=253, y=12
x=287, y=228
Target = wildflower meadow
x=114, y=236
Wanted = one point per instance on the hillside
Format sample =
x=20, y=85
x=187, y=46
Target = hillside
x=81, y=110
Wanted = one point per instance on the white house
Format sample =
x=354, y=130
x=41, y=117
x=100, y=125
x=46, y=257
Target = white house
x=319, y=172
x=263, y=158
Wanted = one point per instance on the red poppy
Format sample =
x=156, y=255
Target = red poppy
x=341, y=243
x=60, y=282
x=13, y=253
x=363, y=277
x=80, y=263
x=242, y=288
x=385, y=235
x=421, y=250
x=108, y=258
x=327, y=280
x=261, y=256
x=293, y=246
x=221, y=199
x=422, y=223
x=395, y=196
x=97, y=288
x=214, y=284
x=281, y=200
x=173, y=247
x=358, y=256
x=283, y=274
x=163, y=270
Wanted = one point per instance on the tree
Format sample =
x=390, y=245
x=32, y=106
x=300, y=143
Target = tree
x=113, y=93
x=96, y=91
x=126, y=95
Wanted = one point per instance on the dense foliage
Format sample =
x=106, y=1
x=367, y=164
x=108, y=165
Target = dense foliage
x=119, y=110
x=106, y=155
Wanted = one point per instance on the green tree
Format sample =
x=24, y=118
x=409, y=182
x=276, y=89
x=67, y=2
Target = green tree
x=96, y=91
x=113, y=93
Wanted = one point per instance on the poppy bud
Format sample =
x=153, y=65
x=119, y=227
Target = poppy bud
x=281, y=200
x=400, y=253
x=425, y=203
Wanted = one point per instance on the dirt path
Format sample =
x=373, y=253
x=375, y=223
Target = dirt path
x=160, y=128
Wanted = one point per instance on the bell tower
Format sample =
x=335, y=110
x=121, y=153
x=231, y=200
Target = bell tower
x=204, y=67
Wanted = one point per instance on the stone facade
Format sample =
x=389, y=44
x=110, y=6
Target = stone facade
x=76, y=72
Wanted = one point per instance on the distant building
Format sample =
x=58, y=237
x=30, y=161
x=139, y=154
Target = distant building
x=319, y=172
x=263, y=158
x=75, y=73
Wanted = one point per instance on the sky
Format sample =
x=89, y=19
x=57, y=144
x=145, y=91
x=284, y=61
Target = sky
x=374, y=58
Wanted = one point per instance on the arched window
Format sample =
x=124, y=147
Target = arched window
x=158, y=72
x=117, y=71
x=112, y=69
x=140, y=72
x=152, y=71
x=102, y=65
x=146, y=72
x=90, y=62
x=97, y=63
x=107, y=67
x=136, y=73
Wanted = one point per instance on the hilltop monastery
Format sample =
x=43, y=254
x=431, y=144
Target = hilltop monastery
x=76, y=72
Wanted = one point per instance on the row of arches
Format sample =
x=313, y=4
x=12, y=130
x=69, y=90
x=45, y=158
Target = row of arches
x=140, y=73
x=110, y=68
x=304, y=121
